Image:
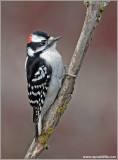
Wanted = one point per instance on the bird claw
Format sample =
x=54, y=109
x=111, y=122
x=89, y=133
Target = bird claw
x=66, y=67
x=66, y=72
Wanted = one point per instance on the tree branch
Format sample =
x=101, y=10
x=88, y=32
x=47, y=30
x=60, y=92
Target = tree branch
x=51, y=119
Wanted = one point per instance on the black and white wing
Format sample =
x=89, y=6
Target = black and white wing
x=38, y=84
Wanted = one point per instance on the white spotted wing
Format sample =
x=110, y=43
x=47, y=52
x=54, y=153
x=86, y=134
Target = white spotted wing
x=38, y=86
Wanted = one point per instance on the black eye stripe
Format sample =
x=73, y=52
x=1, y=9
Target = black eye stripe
x=43, y=42
x=35, y=45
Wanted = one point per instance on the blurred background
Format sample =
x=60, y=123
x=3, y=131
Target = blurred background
x=88, y=126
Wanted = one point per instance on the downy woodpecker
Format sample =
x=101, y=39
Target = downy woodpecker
x=44, y=72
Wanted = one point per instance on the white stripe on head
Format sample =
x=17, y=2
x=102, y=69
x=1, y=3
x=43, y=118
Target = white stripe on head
x=40, y=49
x=36, y=38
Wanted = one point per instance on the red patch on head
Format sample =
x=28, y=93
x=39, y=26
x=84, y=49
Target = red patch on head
x=29, y=38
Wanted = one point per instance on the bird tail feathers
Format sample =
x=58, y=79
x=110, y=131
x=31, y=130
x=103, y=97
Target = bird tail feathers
x=38, y=123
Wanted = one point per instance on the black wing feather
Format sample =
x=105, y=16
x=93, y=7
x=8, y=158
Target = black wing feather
x=38, y=77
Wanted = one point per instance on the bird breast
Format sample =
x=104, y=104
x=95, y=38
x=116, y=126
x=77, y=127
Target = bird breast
x=53, y=58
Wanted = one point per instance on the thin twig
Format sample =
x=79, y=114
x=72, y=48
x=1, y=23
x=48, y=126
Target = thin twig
x=93, y=16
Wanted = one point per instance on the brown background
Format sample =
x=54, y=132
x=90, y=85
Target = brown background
x=88, y=126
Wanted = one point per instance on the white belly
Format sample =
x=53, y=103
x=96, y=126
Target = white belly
x=55, y=60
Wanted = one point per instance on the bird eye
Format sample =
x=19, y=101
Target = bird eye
x=43, y=42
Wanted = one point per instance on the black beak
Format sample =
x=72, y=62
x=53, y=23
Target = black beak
x=56, y=38
x=52, y=40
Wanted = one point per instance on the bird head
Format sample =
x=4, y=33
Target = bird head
x=40, y=41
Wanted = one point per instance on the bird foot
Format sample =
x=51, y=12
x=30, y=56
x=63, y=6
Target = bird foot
x=66, y=71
